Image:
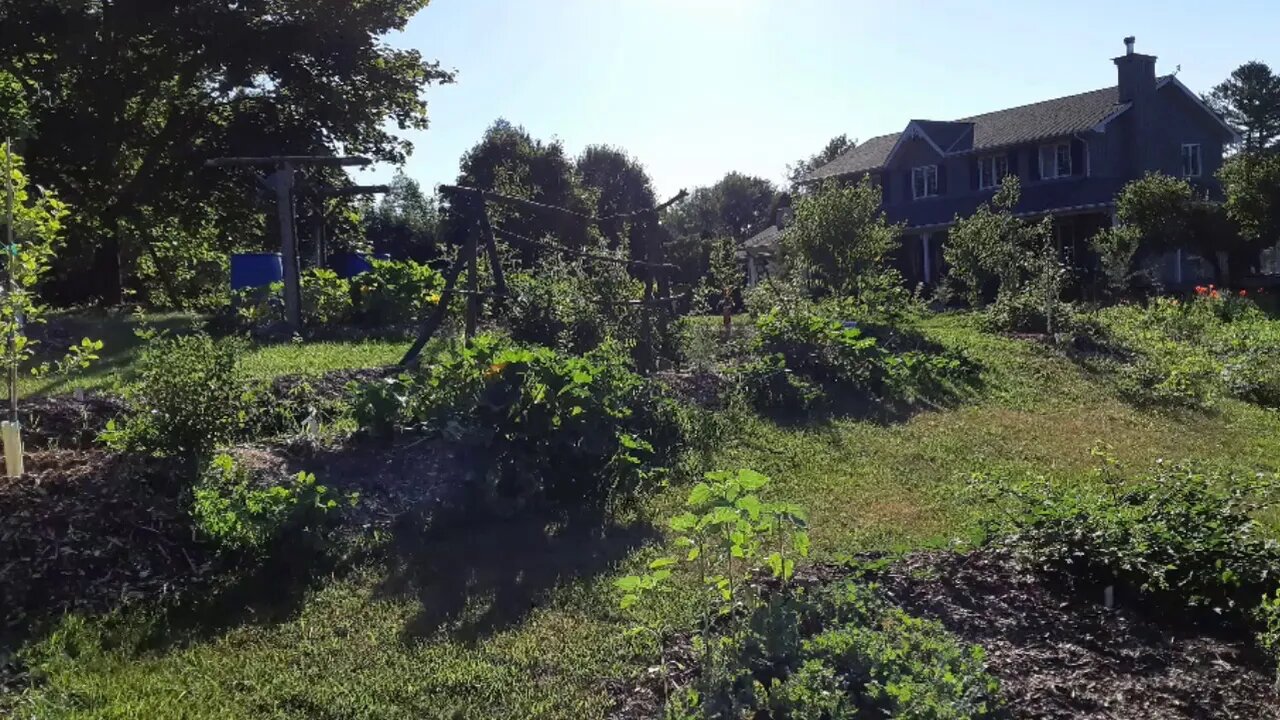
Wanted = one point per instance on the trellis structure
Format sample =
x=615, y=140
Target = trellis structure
x=653, y=267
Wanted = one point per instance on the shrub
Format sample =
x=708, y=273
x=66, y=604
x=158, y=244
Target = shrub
x=1181, y=538
x=1267, y=618
x=395, y=292
x=239, y=512
x=326, y=298
x=1190, y=353
x=840, y=651
x=188, y=398
x=565, y=430
x=807, y=358
x=574, y=305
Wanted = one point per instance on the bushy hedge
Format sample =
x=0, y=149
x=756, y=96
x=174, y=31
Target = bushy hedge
x=391, y=293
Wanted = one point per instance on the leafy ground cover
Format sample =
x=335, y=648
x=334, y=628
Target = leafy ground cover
x=518, y=616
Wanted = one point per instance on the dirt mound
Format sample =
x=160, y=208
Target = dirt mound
x=1066, y=658
x=89, y=530
x=65, y=421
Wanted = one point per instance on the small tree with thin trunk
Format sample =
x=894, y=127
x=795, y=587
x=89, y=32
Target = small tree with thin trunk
x=34, y=223
x=725, y=276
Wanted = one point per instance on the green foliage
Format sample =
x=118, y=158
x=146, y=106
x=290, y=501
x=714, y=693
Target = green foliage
x=396, y=292
x=734, y=207
x=551, y=428
x=841, y=233
x=1267, y=618
x=804, y=358
x=993, y=250
x=38, y=222
x=574, y=305
x=1252, y=185
x=1116, y=248
x=1169, y=213
x=405, y=222
x=241, y=513
x=1192, y=352
x=834, y=148
x=1249, y=99
x=125, y=115
x=188, y=399
x=326, y=298
x=837, y=652
x=1180, y=539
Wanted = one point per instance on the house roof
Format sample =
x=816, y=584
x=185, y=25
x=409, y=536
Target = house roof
x=1037, y=121
x=764, y=241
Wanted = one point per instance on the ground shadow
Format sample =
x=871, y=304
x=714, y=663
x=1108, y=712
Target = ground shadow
x=115, y=328
x=474, y=576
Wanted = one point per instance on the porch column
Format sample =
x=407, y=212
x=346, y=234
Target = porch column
x=928, y=259
x=753, y=275
x=1177, y=272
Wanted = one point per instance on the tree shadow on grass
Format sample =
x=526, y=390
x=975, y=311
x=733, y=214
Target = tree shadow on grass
x=474, y=576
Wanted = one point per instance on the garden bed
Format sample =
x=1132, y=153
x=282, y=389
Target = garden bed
x=1059, y=657
x=1056, y=657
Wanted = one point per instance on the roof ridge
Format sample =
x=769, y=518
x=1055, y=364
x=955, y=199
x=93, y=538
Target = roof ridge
x=971, y=118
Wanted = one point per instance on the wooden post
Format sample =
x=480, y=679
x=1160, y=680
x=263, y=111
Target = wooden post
x=11, y=253
x=473, y=288
x=283, y=183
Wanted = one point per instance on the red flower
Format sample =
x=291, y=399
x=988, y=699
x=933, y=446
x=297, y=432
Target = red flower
x=1244, y=293
x=1214, y=295
x=1201, y=290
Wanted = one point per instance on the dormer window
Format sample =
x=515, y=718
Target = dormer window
x=1055, y=160
x=1191, y=160
x=924, y=181
x=992, y=171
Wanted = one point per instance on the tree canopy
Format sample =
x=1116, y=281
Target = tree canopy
x=841, y=232
x=1249, y=100
x=833, y=149
x=128, y=99
x=405, y=222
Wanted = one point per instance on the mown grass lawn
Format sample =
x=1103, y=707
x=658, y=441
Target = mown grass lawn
x=353, y=648
x=121, y=346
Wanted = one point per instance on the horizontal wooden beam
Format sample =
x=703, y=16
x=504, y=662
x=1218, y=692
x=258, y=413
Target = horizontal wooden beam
x=321, y=160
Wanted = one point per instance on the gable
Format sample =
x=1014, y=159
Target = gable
x=1176, y=95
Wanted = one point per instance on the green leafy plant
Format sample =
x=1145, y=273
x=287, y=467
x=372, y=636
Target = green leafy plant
x=1179, y=539
x=326, y=298
x=1267, y=618
x=239, y=512
x=559, y=429
x=188, y=399
x=770, y=648
x=395, y=292
x=38, y=223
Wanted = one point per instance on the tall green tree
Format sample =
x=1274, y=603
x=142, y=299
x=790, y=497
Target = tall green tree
x=404, y=222
x=509, y=161
x=621, y=185
x=841, y=233
x=1169, y=215
x=129, y=98
x=735, y=207
x=1252, y=185
x=1249, y=100
x=834, y=148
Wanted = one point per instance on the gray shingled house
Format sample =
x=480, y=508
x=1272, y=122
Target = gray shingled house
x=1072, y=154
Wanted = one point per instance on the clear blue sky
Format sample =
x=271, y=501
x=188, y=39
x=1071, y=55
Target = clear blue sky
x=696, y=88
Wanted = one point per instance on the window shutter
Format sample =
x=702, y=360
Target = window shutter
x=974, y=181
x=1077, y=157
x=1035, y=163
x=942, y=179
x=1013, y=162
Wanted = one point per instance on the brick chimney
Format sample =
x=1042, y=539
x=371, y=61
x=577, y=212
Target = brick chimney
x=1136, y=74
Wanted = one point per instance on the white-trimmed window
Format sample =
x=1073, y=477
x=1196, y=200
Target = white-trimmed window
x=1055, y=160
x=992, y=171
x=924, y=181
x=1191, y=160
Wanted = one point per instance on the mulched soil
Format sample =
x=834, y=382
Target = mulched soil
x=90, y=531
x=1066, y=658
x=66, y=421
x=1056, y=657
